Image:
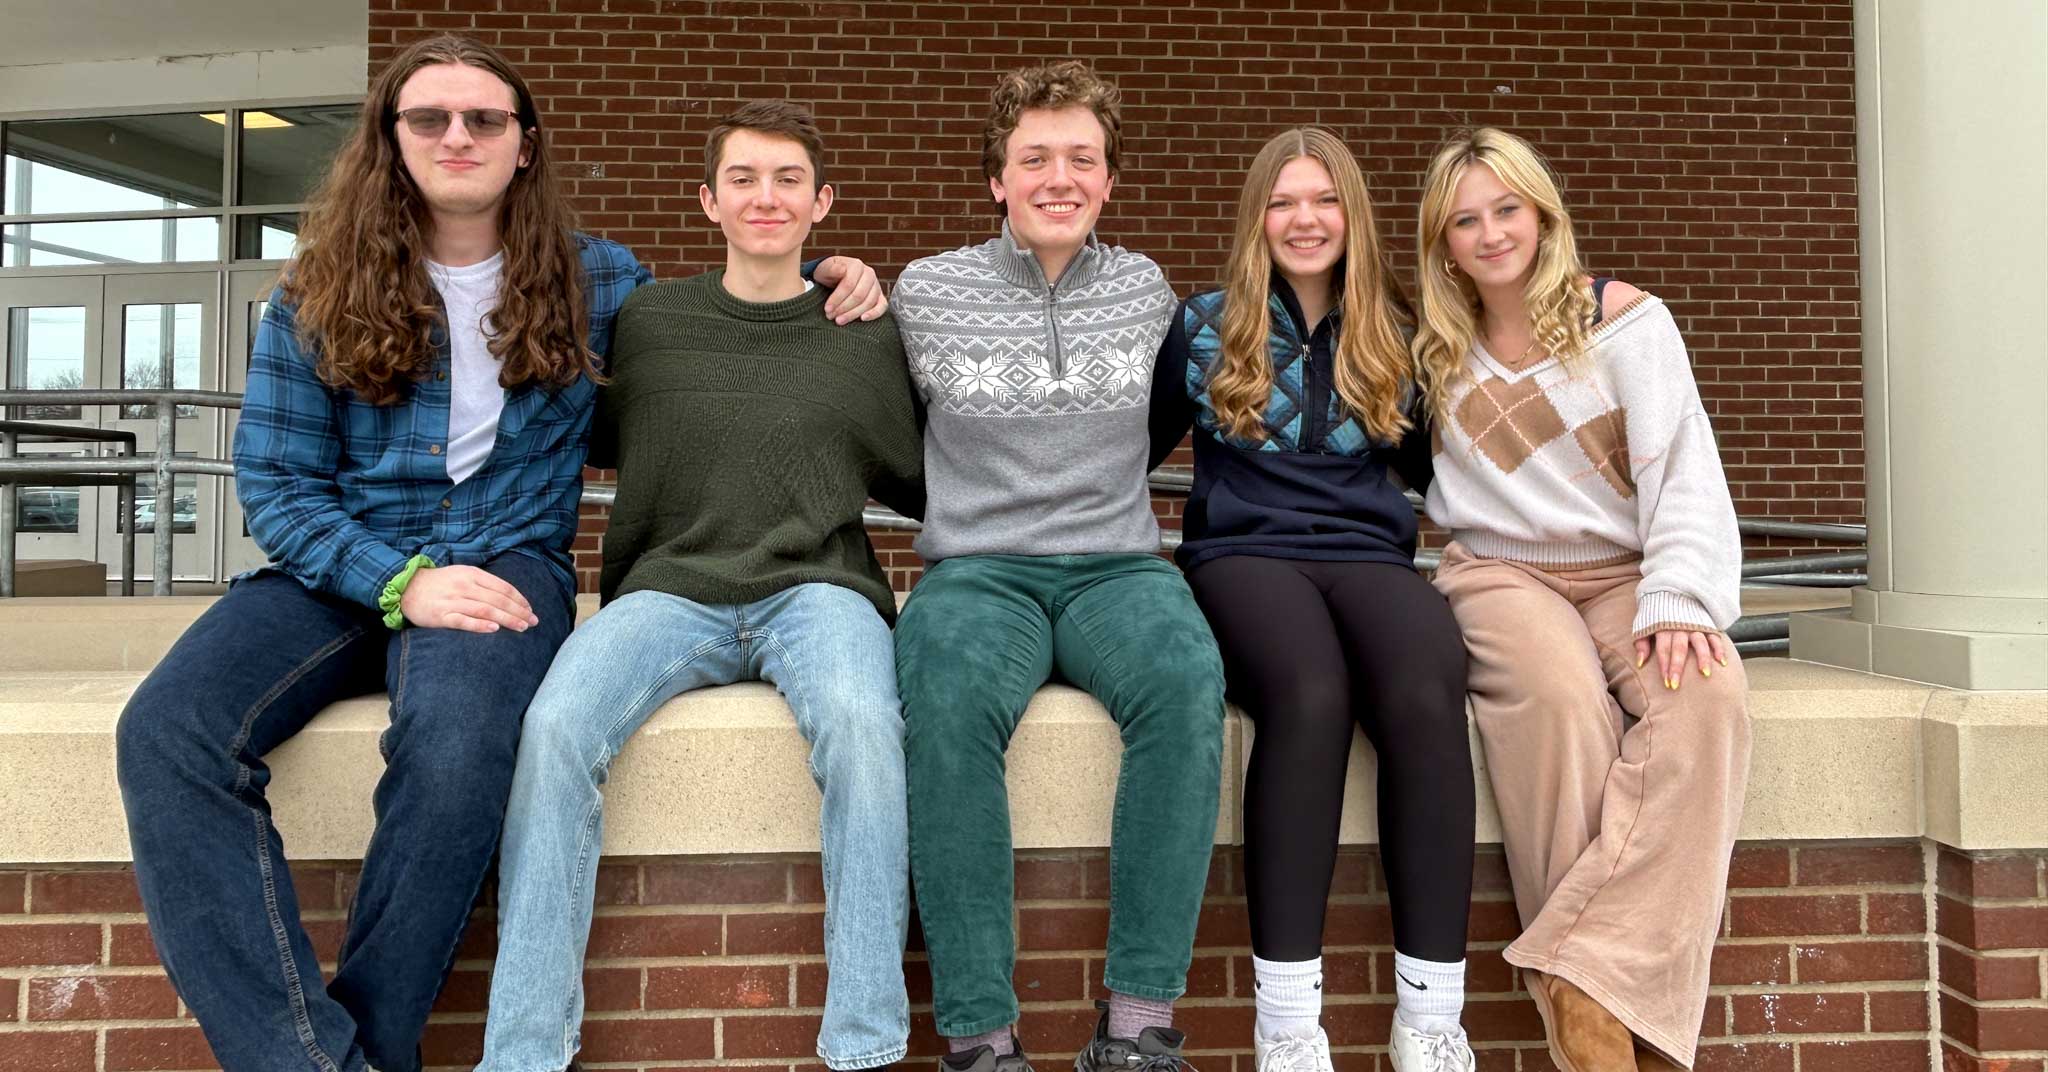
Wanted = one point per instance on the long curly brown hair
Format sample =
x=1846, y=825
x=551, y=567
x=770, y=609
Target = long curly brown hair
x=359, y=277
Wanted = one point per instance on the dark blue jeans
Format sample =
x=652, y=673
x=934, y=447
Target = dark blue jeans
x=250, y=673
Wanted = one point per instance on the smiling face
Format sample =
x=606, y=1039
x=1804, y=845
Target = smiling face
x=1054, y=182
x=460, y=172
x=1305, y=224
x=767, y=196
x=1492, y=233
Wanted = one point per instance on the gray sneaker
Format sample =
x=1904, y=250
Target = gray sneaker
x=985, y=1059
x=1156, y=1049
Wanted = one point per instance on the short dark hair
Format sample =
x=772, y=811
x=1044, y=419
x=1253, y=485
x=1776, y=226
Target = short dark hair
x=1068, y=84
x=781, y=118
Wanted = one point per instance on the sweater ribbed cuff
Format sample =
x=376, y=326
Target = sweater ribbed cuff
x=1657, y=611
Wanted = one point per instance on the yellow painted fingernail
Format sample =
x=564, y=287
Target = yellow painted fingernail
x=1706, y=671
x=1722, y=659
x=1671, y=683
x=1640, y=660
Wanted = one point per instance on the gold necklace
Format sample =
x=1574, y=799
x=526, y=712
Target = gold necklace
x=1517, y=363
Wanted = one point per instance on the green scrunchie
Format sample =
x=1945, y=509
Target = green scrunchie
x=395, y=591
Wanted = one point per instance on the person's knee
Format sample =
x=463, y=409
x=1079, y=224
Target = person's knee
x=1185, y=694
x=1718, y=706
x=154, y=737
x=949, y=733
x=1306, y=699
x=559, y=731
x=1426, y=701
x=857, y=727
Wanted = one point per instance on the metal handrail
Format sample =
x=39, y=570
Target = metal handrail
x=165, y=465
x=15, y=433
x=1753, y=634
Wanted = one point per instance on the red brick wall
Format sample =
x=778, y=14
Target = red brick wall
x=1824, y=966
x=1991, y=916
x=1707, y=148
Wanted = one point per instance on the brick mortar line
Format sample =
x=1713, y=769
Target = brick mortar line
x=1996, y=1055
x=1817, y=1036
x=1874, y=986
x=1818, y=939
x=1930, y=887
x=1990, y=1003
x=1818, y=891
x=2029, y=901
x=1758, y=941
x=70, y=971
x=2024, y=951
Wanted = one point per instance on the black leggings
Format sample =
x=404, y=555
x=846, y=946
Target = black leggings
x=1310, y=648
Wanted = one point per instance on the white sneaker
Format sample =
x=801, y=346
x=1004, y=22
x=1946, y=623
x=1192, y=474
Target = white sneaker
x=1413, y=1051
x=1292, y=1053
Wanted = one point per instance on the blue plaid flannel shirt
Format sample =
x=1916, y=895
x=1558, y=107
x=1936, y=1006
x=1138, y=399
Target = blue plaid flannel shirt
x=340, y=493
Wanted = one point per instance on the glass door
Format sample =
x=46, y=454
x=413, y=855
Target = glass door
x=161, y=332
x=248, y=295
x=52, y=329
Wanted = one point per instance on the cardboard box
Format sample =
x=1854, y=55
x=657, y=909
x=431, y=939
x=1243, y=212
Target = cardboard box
x=59, y=577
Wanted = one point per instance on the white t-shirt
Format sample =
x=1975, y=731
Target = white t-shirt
x=475, y=400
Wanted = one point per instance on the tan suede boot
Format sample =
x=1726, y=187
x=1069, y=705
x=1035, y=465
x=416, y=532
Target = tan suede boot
x=1584, y=1036
x=1649, y=1060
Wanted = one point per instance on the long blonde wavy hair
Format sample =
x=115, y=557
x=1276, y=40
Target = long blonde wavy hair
x=1372, y=365
x=1560, y=303
x=359, y=277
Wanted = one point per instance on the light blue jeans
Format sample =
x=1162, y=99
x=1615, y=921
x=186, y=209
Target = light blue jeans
x=829, y=653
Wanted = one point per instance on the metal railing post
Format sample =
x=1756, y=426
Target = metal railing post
x=9, y=503
x=124, y=500
x=159, y=531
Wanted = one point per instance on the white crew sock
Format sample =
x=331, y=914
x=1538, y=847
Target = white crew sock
x=1289, y=996
x=1428, y=994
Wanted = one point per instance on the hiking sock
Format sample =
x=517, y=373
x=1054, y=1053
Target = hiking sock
x=1129, y=1015
x=1002, y=1040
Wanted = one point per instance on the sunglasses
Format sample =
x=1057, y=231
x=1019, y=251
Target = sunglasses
x=433, y=122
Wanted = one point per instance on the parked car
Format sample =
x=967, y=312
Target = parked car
x=48, y=510
x=184, y=513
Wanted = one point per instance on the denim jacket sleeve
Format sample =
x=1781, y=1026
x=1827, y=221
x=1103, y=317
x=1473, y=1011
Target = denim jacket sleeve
x=287, y=453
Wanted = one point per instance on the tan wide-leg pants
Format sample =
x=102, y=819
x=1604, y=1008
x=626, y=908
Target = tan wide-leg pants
x=1619, y=798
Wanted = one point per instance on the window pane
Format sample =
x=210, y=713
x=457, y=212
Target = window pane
x=50, y=510
x=184, y=505
x=155, y=340
x=47, y=511
x=256, y=311
x=112, y=242
x=266, y=238
x=285, y=151
x=45, y=351
x=116, y=164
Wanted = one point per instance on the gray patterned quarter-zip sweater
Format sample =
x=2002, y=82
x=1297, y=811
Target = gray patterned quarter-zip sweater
x=1037, y=395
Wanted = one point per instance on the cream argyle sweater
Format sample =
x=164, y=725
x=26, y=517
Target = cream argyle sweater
x=1618, y=462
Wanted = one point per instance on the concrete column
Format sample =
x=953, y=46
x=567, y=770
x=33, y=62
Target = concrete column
x=1952, y=147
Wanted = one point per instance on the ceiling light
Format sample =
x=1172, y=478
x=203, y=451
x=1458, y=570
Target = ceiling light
x=250, y=120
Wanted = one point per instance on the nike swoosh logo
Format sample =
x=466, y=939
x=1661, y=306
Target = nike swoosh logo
x=1411, y=982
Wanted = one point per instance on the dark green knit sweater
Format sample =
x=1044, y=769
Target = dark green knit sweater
x=747, y=438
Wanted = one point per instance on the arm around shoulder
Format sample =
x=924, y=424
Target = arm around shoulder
x=1172, y=412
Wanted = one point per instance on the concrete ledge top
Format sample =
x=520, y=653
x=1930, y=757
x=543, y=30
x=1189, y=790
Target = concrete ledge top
x=1838, y=754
